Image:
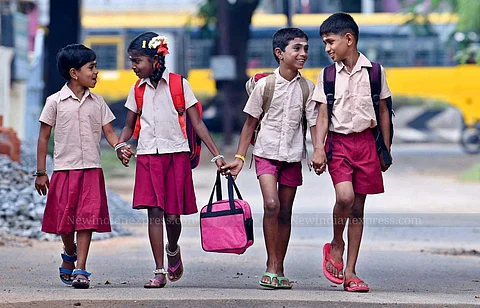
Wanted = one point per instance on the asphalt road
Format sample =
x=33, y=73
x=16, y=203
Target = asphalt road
x=420, y=249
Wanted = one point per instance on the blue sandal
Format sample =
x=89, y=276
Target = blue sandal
x=271, y=284
x=66, y=271
x=81, y=282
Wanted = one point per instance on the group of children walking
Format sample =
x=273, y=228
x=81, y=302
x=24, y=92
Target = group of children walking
x=76, y=199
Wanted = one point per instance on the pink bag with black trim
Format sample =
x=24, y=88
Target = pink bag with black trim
x=226, y=226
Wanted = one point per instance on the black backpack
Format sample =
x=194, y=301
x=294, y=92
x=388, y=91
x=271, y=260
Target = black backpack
x=375, y=74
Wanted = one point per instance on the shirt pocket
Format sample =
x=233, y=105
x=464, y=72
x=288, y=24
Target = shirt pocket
x=64, y=117
x=363, y=94
x=294, y=116
x=95, y=119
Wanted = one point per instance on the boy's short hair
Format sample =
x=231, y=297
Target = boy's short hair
x=282, y=37
x=340, y=24
x=73, y=56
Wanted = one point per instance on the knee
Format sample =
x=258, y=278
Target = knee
x=285, y=217
x=172, y=220
x=344, y=202
x=271, y=207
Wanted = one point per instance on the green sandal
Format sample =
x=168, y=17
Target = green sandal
x=281, y=285
x=270, y=285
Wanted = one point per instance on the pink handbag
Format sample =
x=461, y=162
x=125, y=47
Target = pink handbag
x=226, y=226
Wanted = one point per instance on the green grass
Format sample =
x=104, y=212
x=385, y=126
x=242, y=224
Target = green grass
x=472, y=174
x=112, y=167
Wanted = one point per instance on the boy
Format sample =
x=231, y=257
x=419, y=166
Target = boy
x=76, y=199
x=279, y=147
x=355, y=167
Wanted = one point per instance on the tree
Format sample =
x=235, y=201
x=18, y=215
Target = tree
x=468, y=26
x=231, y=21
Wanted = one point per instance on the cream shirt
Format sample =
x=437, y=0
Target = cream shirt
x=353, y=108
x=160, y=131
x=78, y=128
x=280, y=137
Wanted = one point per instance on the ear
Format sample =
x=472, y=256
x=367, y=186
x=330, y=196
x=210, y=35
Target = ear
x=279, y=53
x=350, y=39
x=73, y=73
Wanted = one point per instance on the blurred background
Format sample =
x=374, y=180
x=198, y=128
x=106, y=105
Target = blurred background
x=430, y=49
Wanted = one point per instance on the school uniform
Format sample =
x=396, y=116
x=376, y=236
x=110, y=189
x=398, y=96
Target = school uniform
x=353, y=146
x=163, y=174
x=279, y=148
x=76, y=199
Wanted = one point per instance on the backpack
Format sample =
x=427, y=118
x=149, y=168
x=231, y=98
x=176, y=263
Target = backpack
x=176, y=90
x=375, y=76
x=267, y=97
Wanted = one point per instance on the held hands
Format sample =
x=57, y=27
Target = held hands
x=319, y=161
x=221, y=166
x=41, y=184
x=124, y=154
x=234, y=167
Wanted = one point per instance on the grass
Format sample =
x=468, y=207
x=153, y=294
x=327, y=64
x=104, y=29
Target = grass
x=112, y=167
x=472, y=174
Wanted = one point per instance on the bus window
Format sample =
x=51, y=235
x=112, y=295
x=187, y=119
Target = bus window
x=106, y=56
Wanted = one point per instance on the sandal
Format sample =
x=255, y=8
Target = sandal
x=271, y=284
x=66, y=271
x=356, y=287
x=81, y=282
x=156, y=283
x=178, y=267
x=280, y=285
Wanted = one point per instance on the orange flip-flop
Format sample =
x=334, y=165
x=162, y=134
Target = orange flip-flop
x=356, y=287
x=327, y=258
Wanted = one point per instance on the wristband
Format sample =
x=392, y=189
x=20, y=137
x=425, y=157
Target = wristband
x=217, y=157
x=120, y=145
x=40, y=173
x=241, y=157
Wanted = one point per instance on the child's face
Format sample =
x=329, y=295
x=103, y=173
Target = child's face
x=295, y=54
x=337, y=46
x=87, y=74
x=142, y=65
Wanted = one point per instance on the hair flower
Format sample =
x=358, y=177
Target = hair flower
x=160, y=43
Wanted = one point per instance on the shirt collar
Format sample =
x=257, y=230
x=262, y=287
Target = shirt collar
x=165, y=76
x=361, y=62
x=283, y=80
x=66, y=92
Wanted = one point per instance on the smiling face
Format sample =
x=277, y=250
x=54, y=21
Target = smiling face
x=295, y=54
x=337, y=46
x=142, y=65
x=86, y=75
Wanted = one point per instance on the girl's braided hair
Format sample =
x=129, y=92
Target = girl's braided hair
x=140, y=45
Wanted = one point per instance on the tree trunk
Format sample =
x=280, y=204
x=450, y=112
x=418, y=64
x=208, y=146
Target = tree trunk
x=233, y=32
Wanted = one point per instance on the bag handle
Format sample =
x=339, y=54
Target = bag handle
x=218, y=187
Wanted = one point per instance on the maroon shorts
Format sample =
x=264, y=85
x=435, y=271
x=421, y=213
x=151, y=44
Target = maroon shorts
x=165, y=181
x=355, y=160
x=76, y=200
x=288, y=174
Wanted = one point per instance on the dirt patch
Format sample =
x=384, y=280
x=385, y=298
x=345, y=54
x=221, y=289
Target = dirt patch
x=454, y=252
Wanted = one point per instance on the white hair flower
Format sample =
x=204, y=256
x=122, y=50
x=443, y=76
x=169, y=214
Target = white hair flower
x=157, y=41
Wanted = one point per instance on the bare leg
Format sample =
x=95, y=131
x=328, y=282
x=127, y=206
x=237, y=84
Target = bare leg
x=286, y=196
x=355, y=231
x=174, y=229
x=271, y=209
x=155, y=233
x=341, y=211
x=68, y=243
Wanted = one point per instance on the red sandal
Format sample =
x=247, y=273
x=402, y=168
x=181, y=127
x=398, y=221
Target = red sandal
x=357, y=287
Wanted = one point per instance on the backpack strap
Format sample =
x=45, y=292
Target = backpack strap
x=175, y=82
x=329, y=75
x=139, y=91
x=375, y=76
x=305, y=93
x=267, y=97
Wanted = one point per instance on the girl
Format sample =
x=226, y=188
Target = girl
x=163, y=181
x=76, y=198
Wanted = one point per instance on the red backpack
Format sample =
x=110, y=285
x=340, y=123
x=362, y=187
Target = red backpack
x=176, y=90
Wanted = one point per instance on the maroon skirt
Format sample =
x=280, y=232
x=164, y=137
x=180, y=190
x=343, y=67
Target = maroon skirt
x=76, y=201
x=165, y=181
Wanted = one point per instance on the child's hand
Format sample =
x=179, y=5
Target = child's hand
x=124, y=154
x=41, y=184
x=234, y=167
x=384, y=166
x=319, y=161
x=221, y=166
